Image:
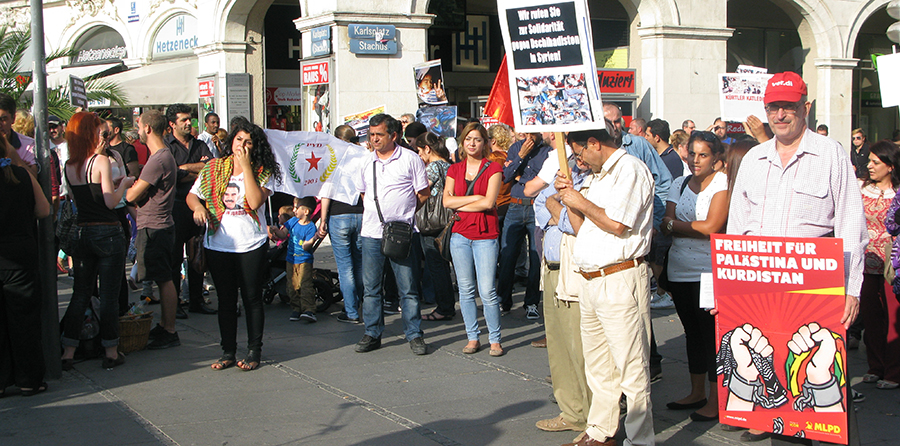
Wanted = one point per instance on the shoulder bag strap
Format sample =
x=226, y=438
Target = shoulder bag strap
x=375, y=191
x=684, y=185
x=477, y=175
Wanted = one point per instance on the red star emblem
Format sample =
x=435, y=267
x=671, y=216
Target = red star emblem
x=313, y=162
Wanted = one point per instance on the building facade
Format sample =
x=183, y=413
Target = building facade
x=292, y=63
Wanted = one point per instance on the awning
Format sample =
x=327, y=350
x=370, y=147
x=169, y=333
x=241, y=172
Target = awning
x=159, y=83
x=61, y=77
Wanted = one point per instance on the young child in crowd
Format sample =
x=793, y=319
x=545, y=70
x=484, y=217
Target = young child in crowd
x=285, y=213
x=302, y=233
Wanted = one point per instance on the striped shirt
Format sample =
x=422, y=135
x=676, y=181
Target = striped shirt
x=814, y=195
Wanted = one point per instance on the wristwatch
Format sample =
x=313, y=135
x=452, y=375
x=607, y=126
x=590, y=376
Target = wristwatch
x=670, y=225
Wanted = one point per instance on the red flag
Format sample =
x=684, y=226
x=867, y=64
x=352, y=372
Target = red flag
x=499, y=105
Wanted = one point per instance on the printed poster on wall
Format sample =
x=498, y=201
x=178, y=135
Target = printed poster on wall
x=741, y=95
x=360, y=122
x=552, y=71
x=439, y=120
x=430, y=83
x=782, y=362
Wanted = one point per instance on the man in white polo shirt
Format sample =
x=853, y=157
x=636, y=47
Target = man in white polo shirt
x=613, y=221
x=396, y=177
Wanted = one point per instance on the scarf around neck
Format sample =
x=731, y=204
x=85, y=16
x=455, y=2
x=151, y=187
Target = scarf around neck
x=214, y=178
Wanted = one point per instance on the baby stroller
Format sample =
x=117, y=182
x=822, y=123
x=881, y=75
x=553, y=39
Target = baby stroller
x=328, y=289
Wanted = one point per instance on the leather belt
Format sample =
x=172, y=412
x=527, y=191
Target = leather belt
x=552, y=266
x=618, y=267
x=522, y=201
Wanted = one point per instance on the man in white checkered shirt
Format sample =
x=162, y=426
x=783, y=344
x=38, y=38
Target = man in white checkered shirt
x=801, y=184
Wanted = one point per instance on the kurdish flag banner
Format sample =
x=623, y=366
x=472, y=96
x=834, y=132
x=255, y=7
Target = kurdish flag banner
x=317, y=164
x=782, y=360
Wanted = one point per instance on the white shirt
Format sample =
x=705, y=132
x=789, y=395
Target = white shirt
x=207, y=138
x=624, y=189
x=688, y=256
x=238, y=232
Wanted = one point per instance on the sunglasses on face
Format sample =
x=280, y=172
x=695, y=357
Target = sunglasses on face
x=857, y=137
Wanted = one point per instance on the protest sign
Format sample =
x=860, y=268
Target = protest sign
x=317, y=164
x=888, y=73
x=741, y=95
x=438, y=120
x=750, y=69
x=360, y=122
x=552, y=71
x=782, y=363
x=430, y=83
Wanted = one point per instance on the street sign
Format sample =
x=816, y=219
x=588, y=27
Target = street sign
x=373, y=47
x=77, y=92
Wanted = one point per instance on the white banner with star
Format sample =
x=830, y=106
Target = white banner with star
x=317, y=164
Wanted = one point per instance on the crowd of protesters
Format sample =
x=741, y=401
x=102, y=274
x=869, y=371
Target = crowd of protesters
x=647, y=196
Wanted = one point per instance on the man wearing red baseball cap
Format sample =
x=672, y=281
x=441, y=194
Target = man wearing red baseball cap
x=801, y=184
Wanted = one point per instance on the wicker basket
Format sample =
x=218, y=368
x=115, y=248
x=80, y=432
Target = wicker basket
x=134, y=332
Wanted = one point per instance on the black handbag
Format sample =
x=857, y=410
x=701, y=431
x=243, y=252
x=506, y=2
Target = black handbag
x=396, y=236
x=442, y=241
x=67, y=229
x=433, y=216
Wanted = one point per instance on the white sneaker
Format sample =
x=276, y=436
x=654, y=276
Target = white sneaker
x=661, y=301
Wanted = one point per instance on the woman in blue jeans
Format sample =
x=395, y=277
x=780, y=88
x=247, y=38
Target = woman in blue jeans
x=474, y=245
x=437, y=269
x=102, y=247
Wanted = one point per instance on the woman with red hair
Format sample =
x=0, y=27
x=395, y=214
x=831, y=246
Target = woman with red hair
x=101, y=251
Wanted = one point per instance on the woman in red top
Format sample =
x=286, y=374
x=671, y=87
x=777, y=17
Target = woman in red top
x=474, y=244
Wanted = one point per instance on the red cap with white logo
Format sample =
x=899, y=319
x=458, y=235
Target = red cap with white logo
x=785, y=87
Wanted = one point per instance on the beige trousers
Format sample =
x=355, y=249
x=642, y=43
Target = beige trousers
x=562, y=321
x=615, y=331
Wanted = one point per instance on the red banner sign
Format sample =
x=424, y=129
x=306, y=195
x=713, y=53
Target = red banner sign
x=782, y=360
x=315, y=74
x=617, y=81
x=207, y=88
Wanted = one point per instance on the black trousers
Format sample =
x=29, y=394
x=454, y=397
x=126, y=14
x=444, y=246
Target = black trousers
x=244, y=272
x=21, y=354
x=699, y=328
x=185, y=228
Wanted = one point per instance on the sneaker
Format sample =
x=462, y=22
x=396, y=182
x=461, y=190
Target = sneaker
x=164, y=340
x=156, y=332
x=418, y=346
x=308, y=316
x=531, y=312
x=857, y=397
x=179, y=312
x=652, y=284
x=295, y=316
x=391, y=308
x=344, y=318
x=661, y=301
x=367, y=344
x=655, y=375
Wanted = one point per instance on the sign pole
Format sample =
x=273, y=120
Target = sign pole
x=46, y=232
x=559, y=143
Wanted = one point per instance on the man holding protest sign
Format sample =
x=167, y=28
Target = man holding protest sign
x=613, y=209
x=800, y=184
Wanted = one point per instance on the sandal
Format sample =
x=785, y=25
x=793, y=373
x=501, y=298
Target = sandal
x=251, y=362
x=227, y=360
x=33, y=392
x=434, y=316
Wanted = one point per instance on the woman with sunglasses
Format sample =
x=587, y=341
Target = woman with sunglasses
x=697, y=206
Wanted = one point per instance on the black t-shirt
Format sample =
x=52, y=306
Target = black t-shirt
x=18, y=240
x=129, y=155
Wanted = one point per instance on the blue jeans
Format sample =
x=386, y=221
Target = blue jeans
x=104, y=256
x=518, y=224
x=343, y=230
x=406, y=275
x=475, y=262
